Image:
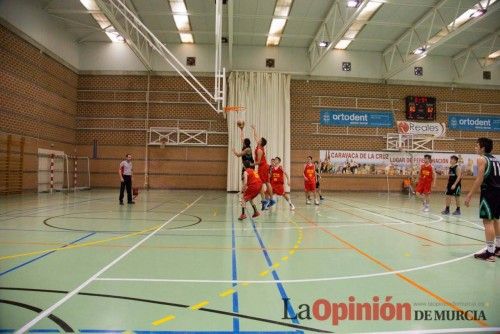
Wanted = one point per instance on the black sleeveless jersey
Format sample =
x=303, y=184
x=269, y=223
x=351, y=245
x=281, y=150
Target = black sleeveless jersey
x=491, y=173
x=452, y=175
x=248, y=157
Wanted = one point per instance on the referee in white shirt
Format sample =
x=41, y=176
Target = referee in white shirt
x=125, y=173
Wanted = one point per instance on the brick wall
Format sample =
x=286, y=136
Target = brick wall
x=37, y=101
x=307, y=97
x=115, y=111
x=51, y=105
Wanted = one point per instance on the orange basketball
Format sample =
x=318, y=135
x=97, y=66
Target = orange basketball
x=241, y=124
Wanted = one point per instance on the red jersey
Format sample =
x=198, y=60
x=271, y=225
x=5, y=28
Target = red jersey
x=426, y=174
x=263, y=161
x=253, y=178
x=310, y=172
x=277, y=175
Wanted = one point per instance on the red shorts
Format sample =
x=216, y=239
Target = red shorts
x=310, y=186
x=263, y=171
x=251, y=192
x=423, y=187
x=278, y=189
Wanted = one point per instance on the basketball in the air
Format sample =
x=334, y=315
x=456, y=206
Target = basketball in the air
x=241, y=124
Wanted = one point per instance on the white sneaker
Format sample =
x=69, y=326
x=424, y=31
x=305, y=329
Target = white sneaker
x=292, y=207
x=427, y=208
x=316, y=202
x=308, y=202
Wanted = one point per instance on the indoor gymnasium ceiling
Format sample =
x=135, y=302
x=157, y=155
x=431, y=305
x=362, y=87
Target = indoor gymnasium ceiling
x=251, y=20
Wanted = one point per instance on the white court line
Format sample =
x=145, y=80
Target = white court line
x=443, y=330
x=48, y=311
x=302, y=280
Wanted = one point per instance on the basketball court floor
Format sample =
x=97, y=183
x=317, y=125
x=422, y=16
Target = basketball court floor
x=180, y=261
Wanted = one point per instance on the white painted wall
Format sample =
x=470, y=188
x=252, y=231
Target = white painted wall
x=365, y=65
x=108, y=57
x=28, y=17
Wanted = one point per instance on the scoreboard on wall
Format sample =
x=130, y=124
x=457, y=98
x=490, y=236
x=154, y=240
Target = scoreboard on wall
x=420, y=108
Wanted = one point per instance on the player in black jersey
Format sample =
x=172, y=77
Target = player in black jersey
x=488, y=178
x=454, y=187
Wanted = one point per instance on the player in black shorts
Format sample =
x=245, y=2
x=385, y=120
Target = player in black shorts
x=454, y=187
x=318, y=177
x=488, y=178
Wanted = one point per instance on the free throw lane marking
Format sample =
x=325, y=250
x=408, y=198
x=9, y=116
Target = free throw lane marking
x=227, y=293
x=199, y=305
x=163, y=320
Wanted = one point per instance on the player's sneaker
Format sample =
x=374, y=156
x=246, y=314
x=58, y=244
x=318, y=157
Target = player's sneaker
x=292, y=207
x=321, y=198
x=427, y=208
x=497, y=251
x=445, y=212
x=242, y=216
x=485, y=256
x=456, y=212
x=265, y=204
x=271, y=203
x=256, y=214
x=308, y=202
x=316, y=202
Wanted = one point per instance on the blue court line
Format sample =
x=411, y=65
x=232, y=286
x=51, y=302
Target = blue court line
x=236, y=309
x=119, y=331
x=281, y=289
x=43, y=255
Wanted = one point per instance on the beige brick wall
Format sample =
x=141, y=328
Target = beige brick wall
x=307, y=98
x=37, y=101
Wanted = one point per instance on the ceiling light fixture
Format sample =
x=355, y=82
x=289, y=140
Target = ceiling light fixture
x=278, y=23
x=181, y=19
x=102, y=20
x=353, y=3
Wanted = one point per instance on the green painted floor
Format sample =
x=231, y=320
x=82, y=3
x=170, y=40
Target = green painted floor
x=180, y=261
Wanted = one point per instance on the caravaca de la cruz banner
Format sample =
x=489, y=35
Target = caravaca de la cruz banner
x=391, y=163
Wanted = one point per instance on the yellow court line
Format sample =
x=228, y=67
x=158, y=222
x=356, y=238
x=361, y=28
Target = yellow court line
x=85, y=244
x=245, y=283
x=227, y=293
x=264, y=273
x=284, y=258
x=276, y=265
x=163, y=320
x=199, y=305
x=291, y=252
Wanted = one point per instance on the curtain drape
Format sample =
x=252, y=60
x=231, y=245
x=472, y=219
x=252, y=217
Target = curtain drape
x=266, y=98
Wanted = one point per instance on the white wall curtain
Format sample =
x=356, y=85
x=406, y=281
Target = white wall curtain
x=266, y=98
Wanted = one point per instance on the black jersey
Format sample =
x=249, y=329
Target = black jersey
x=453, y=175
x=248, y=157
x=491, y=173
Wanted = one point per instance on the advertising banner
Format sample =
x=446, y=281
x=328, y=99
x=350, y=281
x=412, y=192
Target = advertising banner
x=473, y=123
x=391, y=163
x=421, y=128
x=344, y=117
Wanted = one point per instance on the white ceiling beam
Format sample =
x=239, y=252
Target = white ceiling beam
x=338, y=19
x=411, y=39
x=462, y=58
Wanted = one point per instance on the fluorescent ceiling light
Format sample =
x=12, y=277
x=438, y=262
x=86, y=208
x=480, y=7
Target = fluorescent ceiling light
x=353, y=3
x=358, y=24
x=470, y=14
x=102, y=20
x=278, y=23
x=324, y=44
x=494, y=54
x=343, y=44
x=181, y=19
x=420, y=50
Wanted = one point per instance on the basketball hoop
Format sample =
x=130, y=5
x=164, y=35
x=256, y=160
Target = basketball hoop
x=233, y=109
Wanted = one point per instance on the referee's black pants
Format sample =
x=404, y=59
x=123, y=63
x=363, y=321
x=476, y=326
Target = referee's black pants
x=127, y=183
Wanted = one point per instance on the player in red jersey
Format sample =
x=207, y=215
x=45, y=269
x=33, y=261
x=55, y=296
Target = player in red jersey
x=278, y=176
x=263, y=169
x=310, y=181
x=426, y=180
x=252, y=186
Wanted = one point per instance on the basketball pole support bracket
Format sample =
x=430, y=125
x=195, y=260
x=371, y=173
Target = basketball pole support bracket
x=144, y=44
